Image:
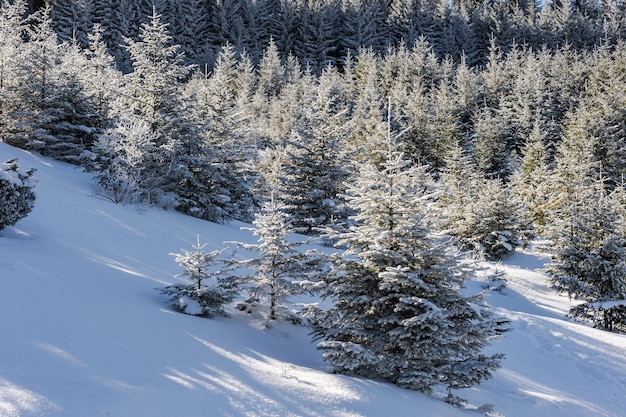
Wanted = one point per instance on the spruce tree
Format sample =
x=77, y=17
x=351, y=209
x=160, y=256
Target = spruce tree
x=601, y=114
x=279, y=270
x=256, y=24
x=156, y=143
x=150, y=128
x=48, y=109
x=16, y=193
x=576, y=170
x=586, y=231
x=494, y=223
x=317, y=43
x=490, y=150
x=366, y=116
x=589, y=259
x=12, y=27
x=218, y=106
x=201, y=298
x=363, y=27
x=531, y=181
x=100, y=77
x=189, y=25
x=226, y=24
x=396, y=312
x=314, y=164
x=478, y=212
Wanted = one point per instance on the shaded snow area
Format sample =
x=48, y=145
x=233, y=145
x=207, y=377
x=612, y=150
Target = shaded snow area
x=84, y=333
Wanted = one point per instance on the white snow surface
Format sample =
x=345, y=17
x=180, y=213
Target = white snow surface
x=84, y=333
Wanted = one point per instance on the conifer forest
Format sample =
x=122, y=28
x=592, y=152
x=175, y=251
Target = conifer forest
x=403, y=132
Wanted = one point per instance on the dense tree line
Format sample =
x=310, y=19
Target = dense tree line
x=385, y=148
x=319, y=32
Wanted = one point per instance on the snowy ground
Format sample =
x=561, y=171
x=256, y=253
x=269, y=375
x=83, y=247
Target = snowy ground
x=84, y=333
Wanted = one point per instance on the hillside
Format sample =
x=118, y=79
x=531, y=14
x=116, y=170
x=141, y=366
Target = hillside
x=84, y=333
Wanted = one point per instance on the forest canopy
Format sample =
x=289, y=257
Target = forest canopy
x=322, y=32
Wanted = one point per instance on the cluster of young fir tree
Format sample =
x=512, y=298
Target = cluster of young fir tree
x=530, y=142
x=396, y=311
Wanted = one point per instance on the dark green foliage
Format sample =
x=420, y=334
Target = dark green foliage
x=324, y=32
x=589, y=260
x=16, y=193
x=44, y=104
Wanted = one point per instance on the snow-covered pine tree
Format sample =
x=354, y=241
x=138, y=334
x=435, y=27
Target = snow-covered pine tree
x=317, y=40
x=458, y=182
x=189, y=25
x=366, y=114
x=314, y=163
x=530, y=183
x=363, y=27
x=149, y=124
x=601, y=114
x=524, y=107
x=396, y=312
x=47, y=109
x=283, y=24
x=256, y=27
x=280, y=270
x=576, y=170
x=100, y=77
x=12, y=26
x=215, y=104
x=73, y=119
x=589, y=258
x=69, y=21
x=435, y=120
x=490, y=149
x=201, y=298
x=105, y=13
x=226, y=24
x=478, y=212
x=493, y=223
x=587, y=232
x=16, y=193
x=172, y=165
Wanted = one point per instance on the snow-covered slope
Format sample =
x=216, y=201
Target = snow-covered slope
x=84, y=333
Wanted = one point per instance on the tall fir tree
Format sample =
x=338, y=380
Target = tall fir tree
x=172, y=166
x=395, y=308
x=366, y=115
x=478, y=212
x=531, y=181
x=490, y=149
x=363, y=27
x=314, y=164
x=218, y=105
x=48, y=109
x=12, y=27
x=317, y=44
x=589, y=259
x=100, y=77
